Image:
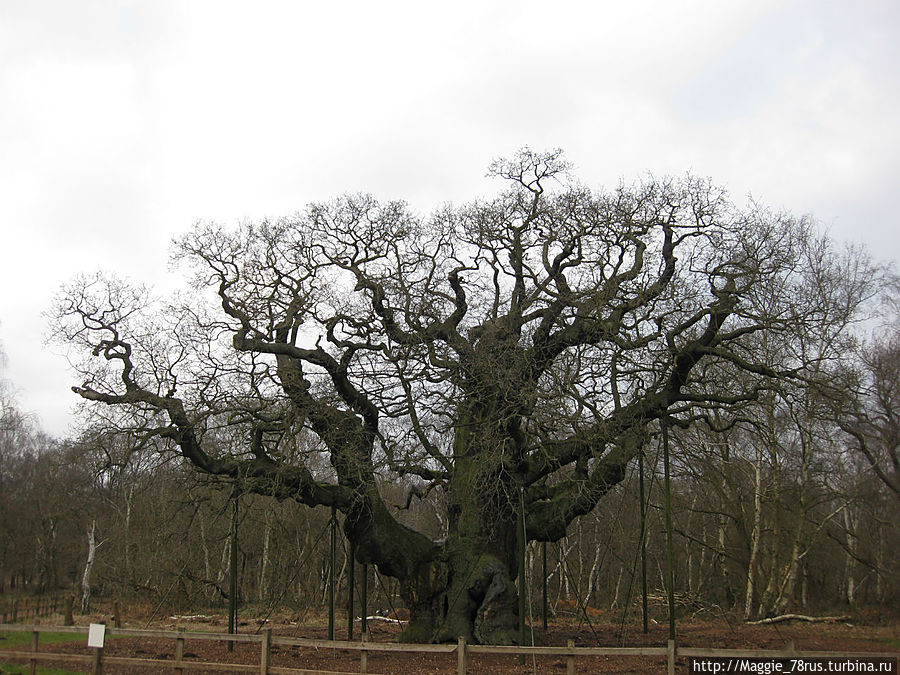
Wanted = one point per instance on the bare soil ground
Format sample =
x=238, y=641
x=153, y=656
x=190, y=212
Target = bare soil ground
x=721, y=633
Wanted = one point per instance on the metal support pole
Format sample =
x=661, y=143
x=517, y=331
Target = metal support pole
x=520, y=546
x=332, y=558
x=364, y=600
x=351, y=587
x=232, y=572
x=643, y=543
x=670, y=554
x=544, y=608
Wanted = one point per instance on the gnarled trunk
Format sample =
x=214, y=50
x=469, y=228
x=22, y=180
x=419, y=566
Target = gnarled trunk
x=467, y=591
x=467, y=586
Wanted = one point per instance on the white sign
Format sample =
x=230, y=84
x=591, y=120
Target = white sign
x=95, y=635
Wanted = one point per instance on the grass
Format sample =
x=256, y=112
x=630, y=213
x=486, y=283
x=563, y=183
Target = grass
x=17, y=640
x=891, y=642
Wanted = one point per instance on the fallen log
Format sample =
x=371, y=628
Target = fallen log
x=798, y=617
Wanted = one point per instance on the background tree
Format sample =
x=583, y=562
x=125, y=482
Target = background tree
x=510, y=354
x=870, y=408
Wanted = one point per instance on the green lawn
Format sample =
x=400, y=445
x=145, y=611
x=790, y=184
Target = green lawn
x=19, y=640
x=22, y=639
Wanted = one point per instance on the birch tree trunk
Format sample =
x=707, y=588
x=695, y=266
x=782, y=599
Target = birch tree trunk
x=592, y=575
x=563, y=561
x=615, y=600
x=223, y=563
x=720, y=554
x=88, y=567
x=129, y=507
x=264, y=562
x=849, y=559
x=204, y=546
x=755, y=534
x=768, y=596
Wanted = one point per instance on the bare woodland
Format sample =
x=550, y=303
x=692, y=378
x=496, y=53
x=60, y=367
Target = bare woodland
x=461, y=386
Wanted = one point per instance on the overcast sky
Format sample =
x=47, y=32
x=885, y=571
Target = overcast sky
x=122, y=123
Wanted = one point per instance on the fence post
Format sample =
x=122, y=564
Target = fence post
x=69, y=619
x=670, y=650
x=364, y=656
x=179, y=652
x=570, y=658
x=264, y=651
x=461, y=656
x=32, y=667
x=97, y=665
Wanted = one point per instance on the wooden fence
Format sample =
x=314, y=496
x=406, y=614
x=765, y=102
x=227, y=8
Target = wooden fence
x=462, y=651
x=31, y=608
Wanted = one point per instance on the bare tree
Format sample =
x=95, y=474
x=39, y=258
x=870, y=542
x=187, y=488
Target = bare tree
x=510, y=355
x=870, y=415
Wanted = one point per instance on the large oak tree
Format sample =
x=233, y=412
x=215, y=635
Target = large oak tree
x=509, y=354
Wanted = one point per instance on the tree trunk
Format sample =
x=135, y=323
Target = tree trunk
x=468, y=587
x=721, y=558
x=804, y=586
x=127, y=544
x=223, y=563
x=88, y=567
x=615, y=601
x=791, y=572
x=564, y=568
x=469, y=591
x=879, y=565
x=767, y=601
x=207, y=566
x=592, y=575
x=264, y=560
x=849, y=560
x=755, y=535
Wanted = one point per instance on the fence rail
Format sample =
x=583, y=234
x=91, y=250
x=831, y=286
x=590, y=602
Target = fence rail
x=463, y=651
